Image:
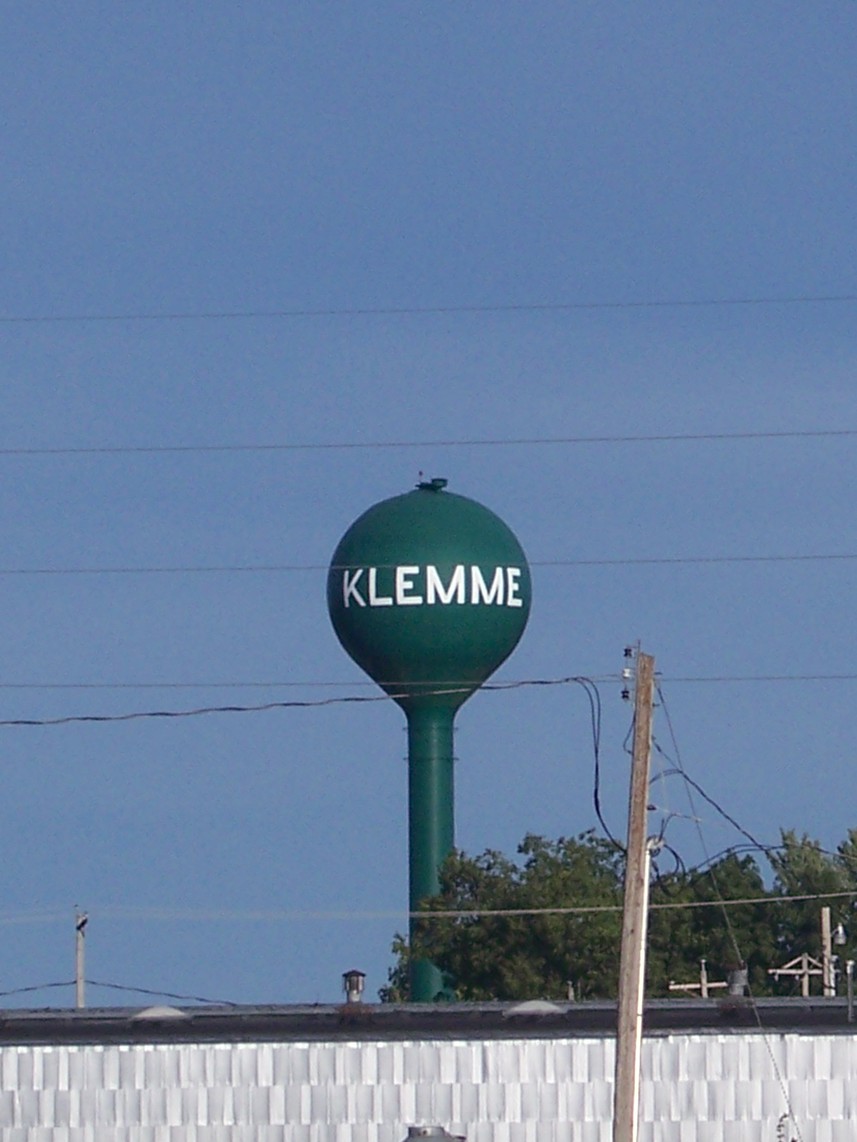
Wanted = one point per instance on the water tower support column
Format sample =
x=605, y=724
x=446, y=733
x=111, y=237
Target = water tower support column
x=431, y=832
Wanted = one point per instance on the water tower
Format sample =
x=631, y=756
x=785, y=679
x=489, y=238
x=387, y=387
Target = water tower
x=429, y=592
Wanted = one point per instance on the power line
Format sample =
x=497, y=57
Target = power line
x=712, y=875
x=680, y=772
x=377, y=445
x=234, y=685
x=424, y=310
x=352, y=699
x=276, y=684
x=116, y=987
x=161, y=994
x=290, y=568
x=726, y=678
x=207, y=915
x=37, y=987
x=277, y=915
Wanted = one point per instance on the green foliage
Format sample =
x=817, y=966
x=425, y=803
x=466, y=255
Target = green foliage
x=536, y=955
x=680, y=937
x=539, y=953
x=396, y=988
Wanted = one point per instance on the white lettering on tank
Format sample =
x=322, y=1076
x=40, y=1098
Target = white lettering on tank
x=513, y=599
x=349, y=588
x=436, y=590
x=376, y=600
x=479, y=592
x=404, y=585
x=504, y=588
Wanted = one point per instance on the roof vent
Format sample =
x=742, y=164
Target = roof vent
x=160, y=1014
x=353, y=983
x=533, y=1008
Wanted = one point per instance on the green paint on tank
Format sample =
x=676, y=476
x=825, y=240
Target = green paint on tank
x=429, y=592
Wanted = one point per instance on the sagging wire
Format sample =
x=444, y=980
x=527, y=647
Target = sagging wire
x=117, y=987
x=689, y=785
x=162, y=994
x=680, y=868
x=678, y=771
x=305, y=704
x=594, y=696
x=37, y=987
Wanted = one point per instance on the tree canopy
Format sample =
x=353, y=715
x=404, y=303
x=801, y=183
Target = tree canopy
x=526, y=951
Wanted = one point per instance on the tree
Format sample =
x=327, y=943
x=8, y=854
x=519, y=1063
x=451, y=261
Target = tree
x=679, y=937
x=517, y=957
x=536, y=955
x=802, y=868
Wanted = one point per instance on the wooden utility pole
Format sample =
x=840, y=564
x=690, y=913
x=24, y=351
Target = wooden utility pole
x=802, y=966
x=80, y=922
x=805, y=965
x=704, y=986
x=828, y=978
x=632, y=968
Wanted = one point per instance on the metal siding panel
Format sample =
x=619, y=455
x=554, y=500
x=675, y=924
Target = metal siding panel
x=465, y=1100
x=703, y=1088
x=440, y=1103
x=547, y=1102
x=571, y=1102
x=423, y=1104
x=361, y=1104
x=391, y=1110
x=407, y=1104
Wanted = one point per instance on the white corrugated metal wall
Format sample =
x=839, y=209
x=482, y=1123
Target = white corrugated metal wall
x=696, y=1088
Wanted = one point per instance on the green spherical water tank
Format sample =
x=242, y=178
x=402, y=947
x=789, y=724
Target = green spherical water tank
x=429, y=592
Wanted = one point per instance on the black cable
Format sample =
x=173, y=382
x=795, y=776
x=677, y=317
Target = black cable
x=679, y=772
x=680, y=867
x=37, y=987
x=291, y=568
x=594, y=696
x=339, y=446
x=162, y=994
x=291, y=705
x=317, y=683
x=116, y=987
x=716, y=886
x=426, y=310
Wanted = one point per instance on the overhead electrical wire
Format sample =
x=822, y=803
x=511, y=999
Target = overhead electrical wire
x=593, y=695
x=160, y=994
x=316, y=703
x=712, y=876
x=425, y=310
x=282, y=568
x=277, y=684
x=348, y=699
x=680, y=772
x=37, y=987
x=289, y=915
x=378, y=445
x=452, y=913
x=117, y=987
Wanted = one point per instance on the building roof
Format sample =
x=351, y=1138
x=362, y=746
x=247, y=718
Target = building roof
x=364, y=1021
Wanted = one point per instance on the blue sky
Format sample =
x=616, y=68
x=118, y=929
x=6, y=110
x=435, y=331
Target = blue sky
x=353, y=157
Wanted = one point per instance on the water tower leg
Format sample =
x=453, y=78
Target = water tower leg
x=430, y=823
